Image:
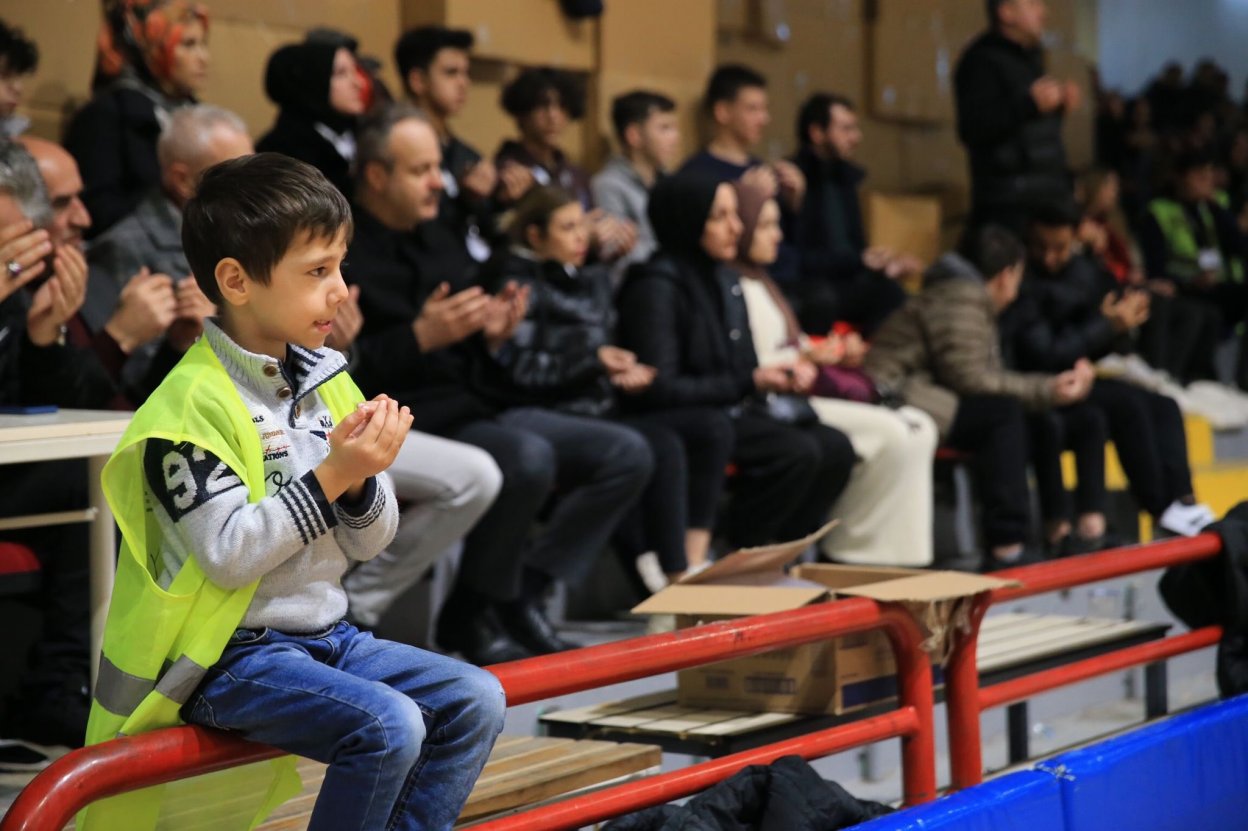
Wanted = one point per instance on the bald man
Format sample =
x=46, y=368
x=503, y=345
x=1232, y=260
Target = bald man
x=195, y=139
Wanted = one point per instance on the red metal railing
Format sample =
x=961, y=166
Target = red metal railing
x=965, y=700
x=107, y=769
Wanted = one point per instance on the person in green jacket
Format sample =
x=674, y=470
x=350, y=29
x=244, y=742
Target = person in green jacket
x=245, y=488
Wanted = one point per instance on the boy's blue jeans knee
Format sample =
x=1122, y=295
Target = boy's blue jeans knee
x=405, y=732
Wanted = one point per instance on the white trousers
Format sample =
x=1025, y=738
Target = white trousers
x=885, y=512
x=445, y=486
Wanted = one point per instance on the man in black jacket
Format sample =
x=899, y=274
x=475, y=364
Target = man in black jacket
x=1010, y=116
x=428, y=329
x=1066, y=312
x=825, y=265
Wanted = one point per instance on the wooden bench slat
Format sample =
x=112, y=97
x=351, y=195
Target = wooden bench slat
x=577, y=770
x=1046, y=638
x=581, y=715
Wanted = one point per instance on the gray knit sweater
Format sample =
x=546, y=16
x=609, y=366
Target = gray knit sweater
x=293, y=540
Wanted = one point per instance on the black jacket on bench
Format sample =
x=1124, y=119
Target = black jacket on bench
x=787, y=794
x=1215, y=592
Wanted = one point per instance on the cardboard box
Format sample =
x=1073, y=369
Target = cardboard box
x=906, y=224
x=837, y=676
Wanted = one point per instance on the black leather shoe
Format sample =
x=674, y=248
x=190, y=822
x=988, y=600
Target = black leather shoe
x=478, y=637
x=526, y=622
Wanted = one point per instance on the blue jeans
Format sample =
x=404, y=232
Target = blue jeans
x=405, y=732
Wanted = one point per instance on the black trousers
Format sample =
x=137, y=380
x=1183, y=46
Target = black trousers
x=599, y=468
x=864, y=300
x=992, y=429
x=691, y=447
x=1147, y=429
x=788, y=478
x=1181, y=337
x=60, y=659
x=1083, y=429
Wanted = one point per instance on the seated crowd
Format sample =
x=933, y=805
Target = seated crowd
x=668, y=361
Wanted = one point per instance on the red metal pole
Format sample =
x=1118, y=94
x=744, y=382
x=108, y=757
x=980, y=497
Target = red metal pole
x=548, y=676
x=102, y=770
x=962, y=702
x=962, y=695
x=914, y=689
x=1105, y=565
x=114, y=767
x=1146, y=653
x=656, y=790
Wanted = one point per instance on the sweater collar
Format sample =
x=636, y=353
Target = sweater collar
x=291, y=380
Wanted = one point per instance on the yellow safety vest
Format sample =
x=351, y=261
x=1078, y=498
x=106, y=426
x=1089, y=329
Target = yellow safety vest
x=159, y=643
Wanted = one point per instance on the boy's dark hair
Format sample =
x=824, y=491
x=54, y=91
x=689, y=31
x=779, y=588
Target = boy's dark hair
x=727, y=81
x=418, y=47
x=636, y=107
x=533, y=88
x=993, y=249
x=817, y=111
x=992, y=6
x=18, y=54
x=1190, y=160
x=1062, y=213
x=252, y=209
x=536, y=208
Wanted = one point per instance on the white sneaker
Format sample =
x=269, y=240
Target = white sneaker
x=1185, y=520
x=651, y=572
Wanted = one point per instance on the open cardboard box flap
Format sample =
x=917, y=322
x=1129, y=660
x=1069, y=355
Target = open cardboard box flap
x=926, y=587
x=717, y=590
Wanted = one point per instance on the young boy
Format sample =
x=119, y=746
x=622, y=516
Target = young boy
x=244, y=487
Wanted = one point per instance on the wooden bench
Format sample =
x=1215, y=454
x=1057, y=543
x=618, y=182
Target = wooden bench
x=522, y=772
x=1010, y=645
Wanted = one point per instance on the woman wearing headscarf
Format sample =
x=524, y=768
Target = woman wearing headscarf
x=152, y=58
x=886, y=511
x=320, y=95
x=683, y=313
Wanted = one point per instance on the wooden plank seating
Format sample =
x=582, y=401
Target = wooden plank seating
x=522, y=771
x=1010, y=645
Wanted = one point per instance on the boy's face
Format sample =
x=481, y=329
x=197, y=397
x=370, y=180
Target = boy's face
x=299, y=302
x=545, y=124
x=1003, y=288
x=12, y=86
x=659, y=139
x=1052, y=246
x=443, y=87
x=746, y=116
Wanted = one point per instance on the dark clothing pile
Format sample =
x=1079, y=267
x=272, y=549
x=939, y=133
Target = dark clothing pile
x=1214, y=592
x=786, y=795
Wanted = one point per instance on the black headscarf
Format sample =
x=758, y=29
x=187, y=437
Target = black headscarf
x=297, y=80
x=679, y=207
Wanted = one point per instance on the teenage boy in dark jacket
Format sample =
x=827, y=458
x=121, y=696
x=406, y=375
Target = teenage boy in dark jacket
x=1066, y=314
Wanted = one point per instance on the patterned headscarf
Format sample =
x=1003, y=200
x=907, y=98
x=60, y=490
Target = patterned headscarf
x=142, y=34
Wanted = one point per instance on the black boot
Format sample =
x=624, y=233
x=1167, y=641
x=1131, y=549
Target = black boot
x=526, y=621
x=469, y=625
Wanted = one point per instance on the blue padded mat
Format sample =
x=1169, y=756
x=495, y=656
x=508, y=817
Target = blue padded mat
x=1025, y=801
x=1187, y=773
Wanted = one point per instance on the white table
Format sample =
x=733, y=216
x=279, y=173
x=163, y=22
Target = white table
x=73, y=434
